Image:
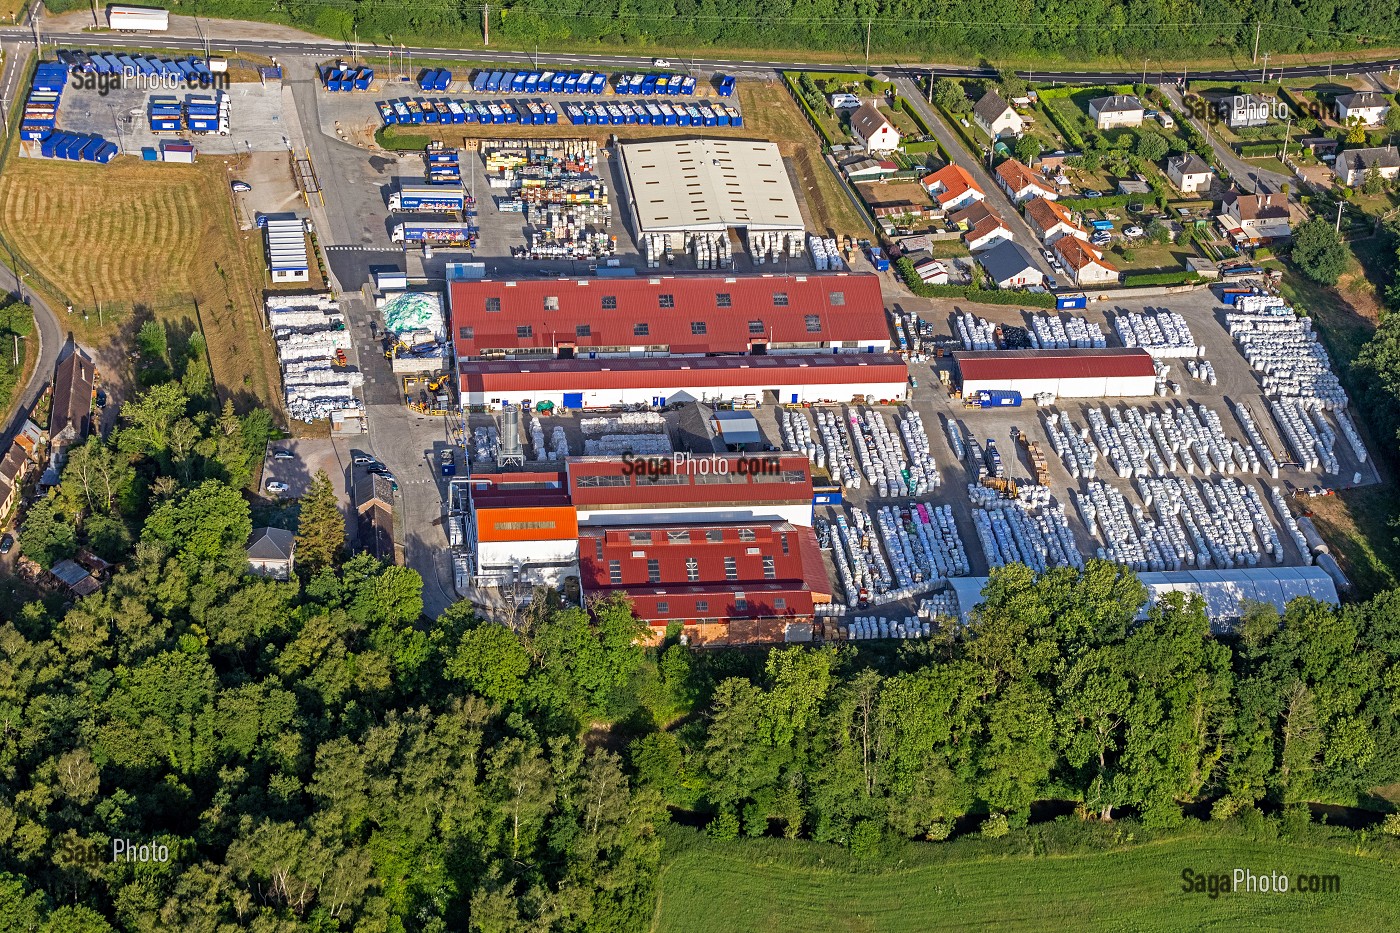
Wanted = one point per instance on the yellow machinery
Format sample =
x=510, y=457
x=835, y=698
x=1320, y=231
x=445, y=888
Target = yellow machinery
x=437, y=382
x=395, y=347
x=1007, y=487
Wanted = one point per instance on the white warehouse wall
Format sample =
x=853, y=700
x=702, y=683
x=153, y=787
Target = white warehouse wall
x=799, y=515
x=603, y=398
x=1096, y=387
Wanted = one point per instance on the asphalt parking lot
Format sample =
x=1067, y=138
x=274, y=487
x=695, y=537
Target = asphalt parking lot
x=255, y=118
x=308, y=456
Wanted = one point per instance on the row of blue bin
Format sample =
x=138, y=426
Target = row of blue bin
x=653, y=114
x=181, y=69
x=77, y=147
x=340, y=78
x=423, y=110
x=434, y=79
x=539, y=82
x=649, y=85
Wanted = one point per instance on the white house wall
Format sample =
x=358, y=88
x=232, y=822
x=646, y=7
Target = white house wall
x=1086, y=387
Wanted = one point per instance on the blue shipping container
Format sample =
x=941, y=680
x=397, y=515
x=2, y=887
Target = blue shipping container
x=1071, y=302
x=479, y=82
x=999, y=398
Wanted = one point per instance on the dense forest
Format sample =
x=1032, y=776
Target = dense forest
x=314, y=755
x=1090, y=28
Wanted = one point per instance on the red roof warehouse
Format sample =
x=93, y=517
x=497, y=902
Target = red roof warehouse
x=664, y=372
x=668, y=314
x=602, y=482
x=734, y=583
x=1116, y=372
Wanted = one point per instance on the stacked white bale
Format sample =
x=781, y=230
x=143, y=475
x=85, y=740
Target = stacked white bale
x=640, y=445
x=1105, y=512
x=1030, y=530
x=537, y=437
x=1298, y=431
x=486, y=442
x=881, y=456
x=1256, y=438
x=630, y=422
x=1071, y=446
x=923, y=471
x=975, y=333
x=1349, y=431
x=1202, y=370
x=955, y=439
x=833, y=255
x=796, y=431
x=1161, y=333
x=839, y=459
x=558, y=443
x=938, y=534
x=1049, y=332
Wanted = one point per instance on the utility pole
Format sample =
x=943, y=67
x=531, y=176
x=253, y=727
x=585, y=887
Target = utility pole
x=486, y=24
x=867, y=44
x=1257, y=27
x=1144, y=71
x=1338, y=226
x=1286, y=130
x=930, y=87
x=1263, y=74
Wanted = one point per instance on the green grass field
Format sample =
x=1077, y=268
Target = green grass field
x=767, y=887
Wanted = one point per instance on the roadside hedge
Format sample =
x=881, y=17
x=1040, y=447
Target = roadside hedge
x=1072, y=137
x=1134, y=280
x=905, y=268
x=1257, y=150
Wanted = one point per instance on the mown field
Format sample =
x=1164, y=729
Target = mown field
x=143, y=240
x=767, y=886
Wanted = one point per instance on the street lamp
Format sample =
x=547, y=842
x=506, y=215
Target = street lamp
x=18, y=338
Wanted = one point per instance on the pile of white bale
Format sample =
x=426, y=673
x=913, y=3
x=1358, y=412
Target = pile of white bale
x=556, y=449
x=923, y=471
x=826, y=256
x=486, y=443
x=1150, y=443
x=1222, y=523
x=1160, y=333
x=1202, y=370
x=1297, y=375
x=308, y=329
x=922, y=552
x=642, y=433
x=955, y=439
x=1030, y=529
x=558, y=444
x=975, y=333
x=862, y=628
x=1049, y=332
x=1256, y=439
x=710, y=250
x=939, y=606
x=840, y=462
x=880, y=459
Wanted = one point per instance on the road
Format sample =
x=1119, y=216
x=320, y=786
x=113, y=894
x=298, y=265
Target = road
x=1247, y=176
x=324, y=48
x=47, y=338
x=996, y=197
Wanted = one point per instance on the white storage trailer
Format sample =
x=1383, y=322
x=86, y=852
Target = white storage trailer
x=138, y=19
x=1114, y=372
x=286, y=251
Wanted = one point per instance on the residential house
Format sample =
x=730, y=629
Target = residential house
x=1020, y=183
x=1190, y=173
x=1109, y=113
x=1049, y=221
x=374, y=523
x=1318, y=145
x=1054, y=162
x=70, y=417
x=1255, y=219
x=984, y=226
x=32, y=438
x=1353, y=165
x=900, y=208
x=1085, y=264
x=271, y=553
x=864, y=168
x=873, y=130
x=953, y=187
x=1367, y=107
x=13, y=468
x=996, y=117
x=1008, y=265
x=1244, y=110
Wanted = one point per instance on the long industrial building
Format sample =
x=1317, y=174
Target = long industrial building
x=597, y=342
x=700, y=185
x=1115, y=372
x=721, y=544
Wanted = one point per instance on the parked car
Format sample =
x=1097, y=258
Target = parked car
x=660, y=63
x=1049, y=256
x=1051, y=282
x=1132, y=232
x=101, y=398
x=280, y=454
x=240, y=186
x=276, y=487
x=1101, y=239
x=6, y=542
x=365, y=460
x=1092, y=193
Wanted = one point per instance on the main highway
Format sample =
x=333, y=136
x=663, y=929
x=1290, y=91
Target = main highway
x=274, y=48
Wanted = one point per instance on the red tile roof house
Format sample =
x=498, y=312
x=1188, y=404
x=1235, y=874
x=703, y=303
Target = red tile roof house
x=953, y=187
x=1020, y=183
x=1049, y=221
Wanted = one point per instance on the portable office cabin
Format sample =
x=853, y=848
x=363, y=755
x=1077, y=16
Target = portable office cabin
x=137, y=19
